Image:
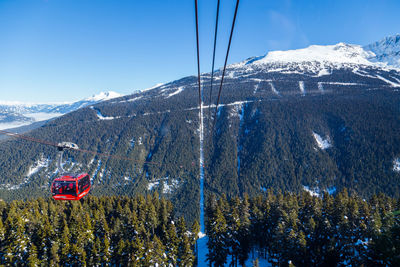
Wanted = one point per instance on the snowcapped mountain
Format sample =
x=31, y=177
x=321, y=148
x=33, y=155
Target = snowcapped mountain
x=16, y=114
x=386, y=50
x=339, y=53
x=321, y=60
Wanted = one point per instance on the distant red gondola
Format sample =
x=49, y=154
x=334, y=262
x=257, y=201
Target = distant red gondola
x=70, y=187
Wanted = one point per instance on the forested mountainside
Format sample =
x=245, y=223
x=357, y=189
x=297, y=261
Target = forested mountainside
x=315, y=125
x=122, y=231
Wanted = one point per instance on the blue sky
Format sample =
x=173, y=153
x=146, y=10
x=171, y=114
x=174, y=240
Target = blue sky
x=65, y=50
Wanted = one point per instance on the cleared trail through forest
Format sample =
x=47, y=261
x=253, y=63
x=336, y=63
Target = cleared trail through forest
x=202, y=241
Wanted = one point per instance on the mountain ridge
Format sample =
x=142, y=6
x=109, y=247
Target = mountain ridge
x=17, y=114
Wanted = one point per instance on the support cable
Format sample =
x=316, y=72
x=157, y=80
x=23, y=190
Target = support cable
x=198, y=52
x=226, y=60
x=213, y=59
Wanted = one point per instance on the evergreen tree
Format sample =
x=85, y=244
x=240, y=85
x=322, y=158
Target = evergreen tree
x=185, y=255
x=17, y=241
x=172, y=245
x=33, y=260
x=96, y=252
x=54, y=254
x=138, y=252
x=2, y=237
x=244, y=233
x=217, y=243
x=65, y=243
x=105, y=249
x=119, y=254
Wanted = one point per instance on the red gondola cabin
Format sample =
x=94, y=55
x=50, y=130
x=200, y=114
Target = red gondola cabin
x=70, y=187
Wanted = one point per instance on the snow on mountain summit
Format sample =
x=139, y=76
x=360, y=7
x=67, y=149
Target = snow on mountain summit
x=322, y=60
x=386, y=50
x=339, y=53
x=104, y=96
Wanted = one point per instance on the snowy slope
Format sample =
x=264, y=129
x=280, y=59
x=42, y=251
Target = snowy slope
x=103, y=96
x=386, y=50
x=321, y=60
x=339, y=53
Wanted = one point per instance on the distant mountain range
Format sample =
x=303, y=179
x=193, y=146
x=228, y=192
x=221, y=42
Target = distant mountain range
x=16, y=114
x=318, y=119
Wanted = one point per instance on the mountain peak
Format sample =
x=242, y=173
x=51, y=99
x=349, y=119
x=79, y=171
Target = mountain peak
x=338, y=53
x=386, y=50
x=102, y=96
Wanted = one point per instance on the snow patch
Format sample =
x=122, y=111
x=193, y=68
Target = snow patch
x=398, y=80
x=236, y=111
x=180, y=89
x=101, y=117
x=168, y=188
x=274, y=89
x=41, y=163
x=393, y=84
x=132, y=142
x=97, y=170
x=222, y=105
x=151, y=185
x=396, y=165
x=302, y=89
x=151, y=88
x=256, y=88
x=340, y=83
x=363, y=73
x=322, y=143
x=323, y=72
x=169, y=185
x=320, y=87
x=201, y=234
x=133, y=99
x=91, y=161
x=312, y=192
